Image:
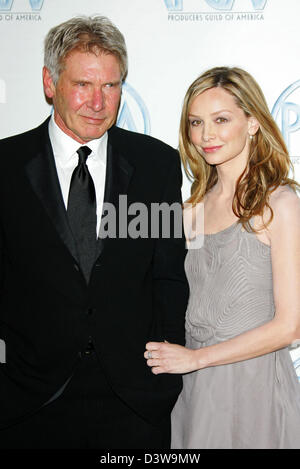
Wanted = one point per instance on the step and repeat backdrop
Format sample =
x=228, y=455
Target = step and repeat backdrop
x=170, y=42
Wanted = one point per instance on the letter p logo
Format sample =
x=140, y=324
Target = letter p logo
x=286, y=112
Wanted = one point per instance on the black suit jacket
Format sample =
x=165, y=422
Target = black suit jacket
x=137, y=290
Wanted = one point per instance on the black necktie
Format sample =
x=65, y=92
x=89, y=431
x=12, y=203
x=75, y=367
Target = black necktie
x=82, y=212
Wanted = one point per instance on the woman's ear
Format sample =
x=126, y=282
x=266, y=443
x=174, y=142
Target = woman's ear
x=253, y=125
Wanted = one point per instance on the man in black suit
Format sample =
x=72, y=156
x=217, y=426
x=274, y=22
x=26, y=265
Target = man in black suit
x=77, y=308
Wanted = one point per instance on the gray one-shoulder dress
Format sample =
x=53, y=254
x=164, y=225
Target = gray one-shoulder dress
x=252, y=403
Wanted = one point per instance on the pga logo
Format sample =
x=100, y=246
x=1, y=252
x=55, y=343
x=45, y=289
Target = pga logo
x=133, y=113
x=286, y=112
x=225, y=5
x=6, y=5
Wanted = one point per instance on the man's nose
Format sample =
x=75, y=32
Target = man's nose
x=97, y=99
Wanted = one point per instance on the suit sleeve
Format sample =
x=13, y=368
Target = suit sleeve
x=1, y=261
x=170, y=284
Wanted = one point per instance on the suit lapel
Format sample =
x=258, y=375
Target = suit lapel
x=118, y=175
x=42, y=174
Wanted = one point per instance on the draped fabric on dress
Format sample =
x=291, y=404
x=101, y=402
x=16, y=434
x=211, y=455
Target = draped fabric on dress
x=249, y=404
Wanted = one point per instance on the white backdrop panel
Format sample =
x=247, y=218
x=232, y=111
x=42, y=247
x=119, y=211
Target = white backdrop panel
x=170, y=42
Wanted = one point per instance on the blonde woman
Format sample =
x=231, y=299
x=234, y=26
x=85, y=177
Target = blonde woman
x=240, y=387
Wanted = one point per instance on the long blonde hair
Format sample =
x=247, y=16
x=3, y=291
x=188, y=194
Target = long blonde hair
x=268, y=164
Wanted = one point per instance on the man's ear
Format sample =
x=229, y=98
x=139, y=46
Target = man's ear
x=253, y=125
x=49, y=87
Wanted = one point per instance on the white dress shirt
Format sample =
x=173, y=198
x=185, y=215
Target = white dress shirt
x=66, y=159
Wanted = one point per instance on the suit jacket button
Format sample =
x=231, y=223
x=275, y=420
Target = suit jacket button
x=90, y=311
x=90, y=347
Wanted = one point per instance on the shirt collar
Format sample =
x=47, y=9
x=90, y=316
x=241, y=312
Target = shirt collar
x=65, y=147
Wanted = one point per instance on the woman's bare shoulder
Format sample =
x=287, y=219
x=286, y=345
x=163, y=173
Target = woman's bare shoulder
x=285, y=203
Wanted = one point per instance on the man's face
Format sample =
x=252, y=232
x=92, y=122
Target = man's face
x=87, y=94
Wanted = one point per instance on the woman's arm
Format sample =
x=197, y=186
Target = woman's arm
x=284, y=235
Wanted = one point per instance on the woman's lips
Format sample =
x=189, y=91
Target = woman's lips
x=211, y=149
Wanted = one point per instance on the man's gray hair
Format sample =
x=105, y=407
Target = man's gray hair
x=86, y=34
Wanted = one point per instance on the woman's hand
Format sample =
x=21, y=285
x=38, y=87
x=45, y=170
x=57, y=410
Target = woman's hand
x=164, y=357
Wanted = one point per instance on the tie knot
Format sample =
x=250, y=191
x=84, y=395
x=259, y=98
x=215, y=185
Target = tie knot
x=83, y=153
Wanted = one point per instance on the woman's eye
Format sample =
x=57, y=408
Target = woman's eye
x=221, y=120
x=195, y=123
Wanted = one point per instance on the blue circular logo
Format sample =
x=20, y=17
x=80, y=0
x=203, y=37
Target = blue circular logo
x=286, y=112
x=133, y=113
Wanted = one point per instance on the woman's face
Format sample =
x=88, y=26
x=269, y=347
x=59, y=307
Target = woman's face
x=219, y=128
